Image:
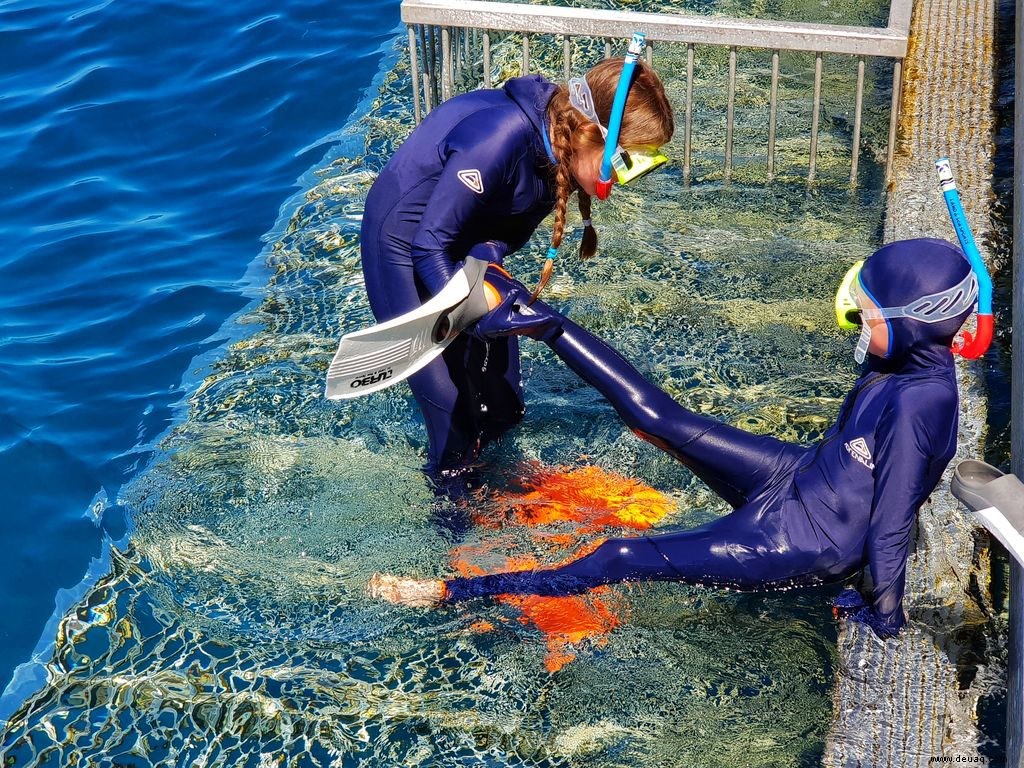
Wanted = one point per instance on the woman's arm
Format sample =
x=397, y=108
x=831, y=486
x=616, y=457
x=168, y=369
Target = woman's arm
x=480, y=162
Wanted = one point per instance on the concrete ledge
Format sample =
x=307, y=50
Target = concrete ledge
x=902, y=702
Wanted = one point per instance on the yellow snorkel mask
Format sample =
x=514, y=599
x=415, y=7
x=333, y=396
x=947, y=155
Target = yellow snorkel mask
x=933, y=308
x=630, y=166
x=847, y=311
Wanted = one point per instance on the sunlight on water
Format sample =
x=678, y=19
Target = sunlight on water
x=235, y=631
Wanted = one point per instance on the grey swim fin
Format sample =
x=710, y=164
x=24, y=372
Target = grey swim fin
x=374, y=358
x=997, y=500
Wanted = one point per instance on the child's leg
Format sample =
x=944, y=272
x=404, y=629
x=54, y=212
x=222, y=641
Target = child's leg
x=614, y=560
x=732, y=551
x=735, y=464
x=469, y=397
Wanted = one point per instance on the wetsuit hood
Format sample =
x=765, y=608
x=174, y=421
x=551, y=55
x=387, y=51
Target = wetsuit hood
x=532, y=94
x=900, y=273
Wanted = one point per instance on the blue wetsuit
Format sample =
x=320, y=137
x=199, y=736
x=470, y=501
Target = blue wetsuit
x=803, y=515
x=475, y=177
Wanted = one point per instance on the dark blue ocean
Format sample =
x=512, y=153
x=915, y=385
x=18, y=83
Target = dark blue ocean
x=146, y=149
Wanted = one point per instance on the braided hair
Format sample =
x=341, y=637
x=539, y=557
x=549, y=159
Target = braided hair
x=646, y=122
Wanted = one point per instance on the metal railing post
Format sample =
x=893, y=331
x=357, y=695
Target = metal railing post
x=815, y=117
x=688, y=130
x=426, y=71
x=894, y=115
x=773, y=107
x=414, y=75
x=447, y=70
x=858, y=108
x=432, y=69
x=487, y=59
x=730, y=116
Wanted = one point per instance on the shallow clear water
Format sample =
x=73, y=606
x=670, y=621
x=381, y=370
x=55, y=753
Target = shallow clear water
x=230, y=626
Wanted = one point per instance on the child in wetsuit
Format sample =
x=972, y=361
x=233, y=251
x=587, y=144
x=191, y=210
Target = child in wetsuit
x=802, y=515
x=476, y=178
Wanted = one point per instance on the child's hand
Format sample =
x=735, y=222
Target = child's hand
x=850, y=604
x=415, y=593
x=880, y=627
x=846, y=603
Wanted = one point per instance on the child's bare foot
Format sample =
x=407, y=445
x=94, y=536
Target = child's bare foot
x=415, y=593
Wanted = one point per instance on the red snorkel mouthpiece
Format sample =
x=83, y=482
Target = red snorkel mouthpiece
x=604, y=189
x=973, y=346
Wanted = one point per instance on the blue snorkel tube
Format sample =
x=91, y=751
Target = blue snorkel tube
x=974, y=346
x=611, y=142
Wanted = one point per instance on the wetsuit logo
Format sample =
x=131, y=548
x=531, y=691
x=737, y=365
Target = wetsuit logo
x=858, y=448
x=472, y=179
x=382, y=375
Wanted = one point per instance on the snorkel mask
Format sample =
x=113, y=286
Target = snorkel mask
x=627, y=166
x=933, y=308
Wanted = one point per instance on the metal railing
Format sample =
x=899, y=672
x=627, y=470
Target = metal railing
x=443, y=33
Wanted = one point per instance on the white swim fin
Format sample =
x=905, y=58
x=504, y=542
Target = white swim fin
x=375, y=358
x=997, y=500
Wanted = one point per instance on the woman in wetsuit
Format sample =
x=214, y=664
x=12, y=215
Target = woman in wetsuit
x=476, y=178
x=802, y=515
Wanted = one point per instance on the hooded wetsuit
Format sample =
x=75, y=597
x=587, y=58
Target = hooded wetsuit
x=474, y=177
x=802, y=515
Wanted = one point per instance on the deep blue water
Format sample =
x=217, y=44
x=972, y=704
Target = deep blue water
x=145, y=151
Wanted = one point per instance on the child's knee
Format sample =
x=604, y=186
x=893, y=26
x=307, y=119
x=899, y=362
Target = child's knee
x=619, y=558
x=652, y=428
